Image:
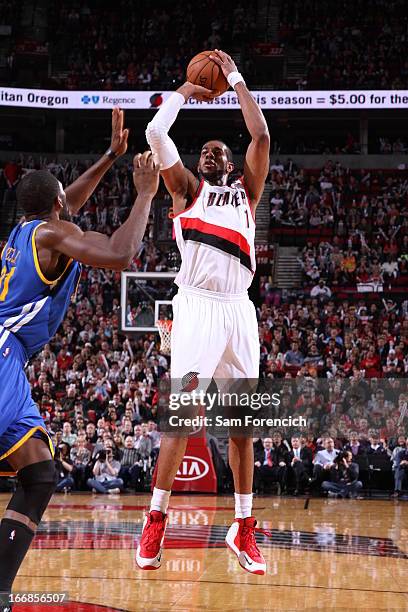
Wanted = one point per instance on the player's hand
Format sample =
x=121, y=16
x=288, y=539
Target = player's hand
x=224, y=61
x=146, y=173
x=190, y=90
x=119, y=136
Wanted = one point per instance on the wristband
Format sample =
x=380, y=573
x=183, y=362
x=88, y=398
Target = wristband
x=111, y=154
x=235, y=77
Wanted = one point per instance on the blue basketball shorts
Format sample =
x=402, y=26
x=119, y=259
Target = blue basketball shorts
x=20, y=418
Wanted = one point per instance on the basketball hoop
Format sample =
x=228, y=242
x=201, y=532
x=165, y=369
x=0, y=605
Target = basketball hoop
x=164, y=326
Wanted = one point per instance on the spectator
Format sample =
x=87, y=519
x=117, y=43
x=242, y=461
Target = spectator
x=300, y=460
x=401, y=467
x=343, y=477
x=67, y=435
x=105, y=472
x=64, y=469
x=324, y=461
x=321, y=291
x=80, y=458
x=130, y=469
x=267, y=471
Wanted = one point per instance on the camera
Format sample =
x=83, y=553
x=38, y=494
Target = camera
x=102, y=456
x=340, y=457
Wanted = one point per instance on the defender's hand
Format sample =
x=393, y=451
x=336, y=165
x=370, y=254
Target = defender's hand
x=119, y=136
x=190, y=90
x=224, y=61
x=146, y=173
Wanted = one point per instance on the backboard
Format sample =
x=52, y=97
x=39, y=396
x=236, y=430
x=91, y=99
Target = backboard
x=145, y=298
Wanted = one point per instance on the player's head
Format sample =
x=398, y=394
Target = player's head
x=40, y=194
x=215, y=163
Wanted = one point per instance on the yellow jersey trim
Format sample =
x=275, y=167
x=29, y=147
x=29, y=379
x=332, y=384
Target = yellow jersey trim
x=24, y=439
x=37, y=263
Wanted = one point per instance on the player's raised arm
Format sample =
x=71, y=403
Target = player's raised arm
x=81, y=190
x=256, y=166
x=95, y=249
x=178, y=179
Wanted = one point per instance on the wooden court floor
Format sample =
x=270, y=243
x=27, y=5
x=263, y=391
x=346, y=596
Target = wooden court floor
x=333, y=555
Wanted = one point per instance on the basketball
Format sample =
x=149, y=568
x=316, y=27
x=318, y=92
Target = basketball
x=205, y=72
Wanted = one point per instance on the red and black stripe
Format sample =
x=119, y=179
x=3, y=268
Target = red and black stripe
x=222, y=238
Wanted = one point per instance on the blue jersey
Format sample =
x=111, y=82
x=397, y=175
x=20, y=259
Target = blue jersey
x=31, y=306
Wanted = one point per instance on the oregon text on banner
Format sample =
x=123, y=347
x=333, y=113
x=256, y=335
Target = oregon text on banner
x=272, y=100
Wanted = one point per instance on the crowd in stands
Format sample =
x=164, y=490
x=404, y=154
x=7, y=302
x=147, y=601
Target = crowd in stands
x=347, y=46
x=140, y=45
x=131, y=46
x=338, y=466
x=356, y=220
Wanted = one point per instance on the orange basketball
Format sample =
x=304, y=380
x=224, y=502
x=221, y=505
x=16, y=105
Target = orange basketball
x=205, y=72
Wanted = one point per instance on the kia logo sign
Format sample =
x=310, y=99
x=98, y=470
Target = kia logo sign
x=192, y=468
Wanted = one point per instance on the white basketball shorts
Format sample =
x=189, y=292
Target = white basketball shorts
x=214, y=335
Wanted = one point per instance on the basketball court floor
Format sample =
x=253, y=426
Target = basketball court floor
x=331, y=555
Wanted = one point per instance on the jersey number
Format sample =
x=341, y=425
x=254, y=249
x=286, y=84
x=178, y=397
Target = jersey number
x=4, y=282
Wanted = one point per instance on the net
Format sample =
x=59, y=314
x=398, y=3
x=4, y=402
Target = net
x=164, y=326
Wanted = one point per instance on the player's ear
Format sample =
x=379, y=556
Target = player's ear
x=230, y=167
x=58, y=204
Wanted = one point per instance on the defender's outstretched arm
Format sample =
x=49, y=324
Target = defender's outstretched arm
x=81, y=190
x=95, y=249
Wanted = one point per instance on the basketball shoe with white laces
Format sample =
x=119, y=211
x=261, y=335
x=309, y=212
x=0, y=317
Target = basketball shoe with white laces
x=149, y=551
x=240, y=539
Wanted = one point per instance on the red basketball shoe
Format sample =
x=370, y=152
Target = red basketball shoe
x=149, y=551
x=240, y=539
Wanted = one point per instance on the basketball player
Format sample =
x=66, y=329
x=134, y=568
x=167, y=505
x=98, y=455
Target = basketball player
x=40, y=271
x=215, y=331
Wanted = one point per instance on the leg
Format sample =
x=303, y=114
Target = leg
x=36, y=473
x=241, y=460
x=240, y=362
x=116, y=483
x=65, y=483
x=124, y=474
x=399, y=477
x=95, y=484
x=172, y=451
x=135, y=476
x=332, y=487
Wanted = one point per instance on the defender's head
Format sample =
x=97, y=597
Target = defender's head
x=40, y=194
x=215, y=162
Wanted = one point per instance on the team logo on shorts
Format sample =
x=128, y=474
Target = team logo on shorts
x=7, y=352
x=189, y=382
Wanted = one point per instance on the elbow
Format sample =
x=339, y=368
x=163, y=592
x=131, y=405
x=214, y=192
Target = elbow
x=123, y=262
x=155, y=133
x=120, y=262
x=262, y=137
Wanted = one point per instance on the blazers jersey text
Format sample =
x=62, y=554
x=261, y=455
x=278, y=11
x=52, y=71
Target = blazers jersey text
x=216, y=239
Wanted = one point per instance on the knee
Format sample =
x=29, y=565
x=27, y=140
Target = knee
x=38, y=482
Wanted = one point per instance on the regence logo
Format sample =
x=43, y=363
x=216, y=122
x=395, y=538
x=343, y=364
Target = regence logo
x=89, y=99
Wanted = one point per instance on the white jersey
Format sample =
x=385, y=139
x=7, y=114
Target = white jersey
x=216, y=239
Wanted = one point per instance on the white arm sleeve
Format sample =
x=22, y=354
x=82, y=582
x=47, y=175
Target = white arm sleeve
x=157, y=131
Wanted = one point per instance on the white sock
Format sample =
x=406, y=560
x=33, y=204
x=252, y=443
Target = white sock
x=243, y=505
x=160, y=500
